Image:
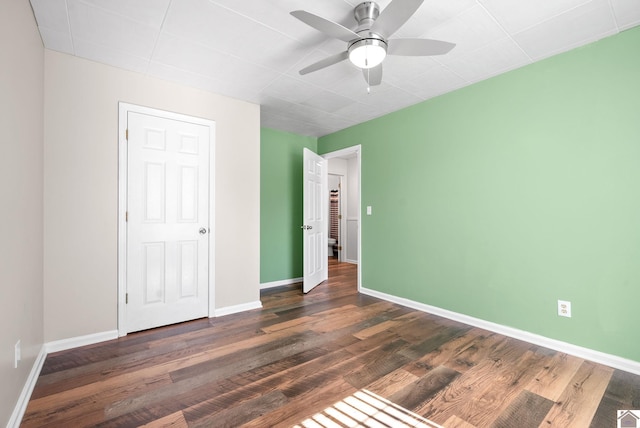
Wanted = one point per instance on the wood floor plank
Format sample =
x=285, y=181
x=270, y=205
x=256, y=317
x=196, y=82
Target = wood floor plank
x=416, y=394
x=287, y=324
x=416, y=327
x=391, y=383
x=579, y=401
x=484, y=345
x=555, y=376
x=251, y=384
x=306, y=355
x=484, y=391
x=174, y=420
x=456, y=422
x=377, y=328
x=436, y=339
x=101, y=351
x=260, y=354
x=87, y=417
x=380, y=322
x=622, y=393
x=461, y=353
x=195, y=376
x=509, y=382
x=365, y=409
x=240, y=387
x=175, y=350
x=377, y=364
x=306, y=377
x=304, y=405
x=348, y=318
x=88, y=399
x=151, y=356
x=236, y=415
x=527, y=410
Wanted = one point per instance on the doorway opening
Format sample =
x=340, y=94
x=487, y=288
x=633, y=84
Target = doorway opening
x=344, y=206
x=335, y=236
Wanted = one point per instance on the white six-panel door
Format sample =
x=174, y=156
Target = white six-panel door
x=315, y=199
x=168, y=221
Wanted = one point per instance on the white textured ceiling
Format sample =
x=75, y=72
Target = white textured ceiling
x=252, y=49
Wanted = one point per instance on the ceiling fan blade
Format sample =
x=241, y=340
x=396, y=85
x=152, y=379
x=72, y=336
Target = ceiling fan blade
x=330, y=28
x=394, y=16
x=418, y=47
x=373, y=76
x=326, y=62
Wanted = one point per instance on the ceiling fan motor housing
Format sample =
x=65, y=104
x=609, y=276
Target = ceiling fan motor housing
x=366, y=13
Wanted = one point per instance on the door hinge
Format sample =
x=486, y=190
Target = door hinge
x=126, y=298
x=126, y=134
x=339, y=216
x=126, y=216
x=339, y=247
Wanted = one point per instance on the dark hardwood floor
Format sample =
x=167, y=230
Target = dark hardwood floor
x=331, y=358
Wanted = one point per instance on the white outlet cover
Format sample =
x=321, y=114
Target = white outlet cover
x=17, y=356
x=564, y=308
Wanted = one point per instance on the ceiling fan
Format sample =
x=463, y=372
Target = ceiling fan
x=369, y=43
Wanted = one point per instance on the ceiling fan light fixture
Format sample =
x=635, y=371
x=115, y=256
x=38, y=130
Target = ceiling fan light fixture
x=367, y=53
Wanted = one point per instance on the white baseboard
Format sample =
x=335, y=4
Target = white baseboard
x=568, y=348
x=228, y=310
x=353, y=262
x=27, y=390
x=47, y=348
x=280, y=283
x=75, y=342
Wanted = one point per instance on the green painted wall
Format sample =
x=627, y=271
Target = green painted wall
x=281, y=204
x=500, y=198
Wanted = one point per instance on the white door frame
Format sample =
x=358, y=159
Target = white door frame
x=123, y=109
x=348, y=151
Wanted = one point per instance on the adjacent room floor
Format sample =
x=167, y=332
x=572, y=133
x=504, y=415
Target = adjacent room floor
x=330, y=358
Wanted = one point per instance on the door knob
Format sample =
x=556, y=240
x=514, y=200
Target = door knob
x=202, y=231
x=305, y=227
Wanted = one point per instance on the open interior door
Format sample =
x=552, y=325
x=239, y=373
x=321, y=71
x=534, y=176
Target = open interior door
x=314, y=229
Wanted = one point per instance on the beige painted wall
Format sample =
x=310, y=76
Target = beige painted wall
x=81, y=189
x=21, y=135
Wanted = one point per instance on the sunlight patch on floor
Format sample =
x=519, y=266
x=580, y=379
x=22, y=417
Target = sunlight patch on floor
x=366, y=409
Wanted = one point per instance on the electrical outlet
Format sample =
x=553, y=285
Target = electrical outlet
x=17, y=354
x=564, y=308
